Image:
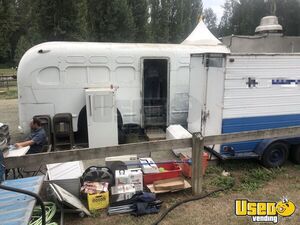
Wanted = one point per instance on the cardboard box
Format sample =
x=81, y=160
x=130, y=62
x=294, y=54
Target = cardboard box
x=169, y=185
x=136, y=178
x=98, y=201
x=130, y=176
x=130, y=161
x=148, y=165
x=122, y=177
x=122, y=192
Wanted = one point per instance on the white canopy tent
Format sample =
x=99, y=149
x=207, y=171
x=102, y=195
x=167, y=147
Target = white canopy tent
x=201, y=36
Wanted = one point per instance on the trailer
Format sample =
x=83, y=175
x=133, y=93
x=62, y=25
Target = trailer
x=149, y=83
x=246, y=92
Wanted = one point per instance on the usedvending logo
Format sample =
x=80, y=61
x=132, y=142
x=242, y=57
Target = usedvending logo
x=264, y=211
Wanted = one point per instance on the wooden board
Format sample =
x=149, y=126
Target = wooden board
x=155, y=134
x=169, y=184
x=152, y=189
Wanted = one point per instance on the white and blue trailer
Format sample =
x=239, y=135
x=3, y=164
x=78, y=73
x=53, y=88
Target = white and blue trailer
x=246, y=92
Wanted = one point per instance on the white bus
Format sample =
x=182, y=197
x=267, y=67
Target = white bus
x=151, y=80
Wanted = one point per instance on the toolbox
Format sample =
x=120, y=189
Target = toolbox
x=166, y=171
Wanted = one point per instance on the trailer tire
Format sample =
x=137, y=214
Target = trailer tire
x=121, y=136
x=275, y=154
x=295, y=154
x=120, y=119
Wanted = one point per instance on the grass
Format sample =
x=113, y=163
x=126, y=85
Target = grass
x=244, y=176
x=256, y=178
x=7, y=71
x=10, y=93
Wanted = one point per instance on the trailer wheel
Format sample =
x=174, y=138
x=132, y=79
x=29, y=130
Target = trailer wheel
x=295, y=154
x=275, y=155
x=121, y=136
x=120, y=119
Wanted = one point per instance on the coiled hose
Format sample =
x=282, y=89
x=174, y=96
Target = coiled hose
x=36, y=218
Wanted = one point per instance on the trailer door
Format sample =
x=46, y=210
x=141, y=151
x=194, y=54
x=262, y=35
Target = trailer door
x=212, y=114
x=197, y=94
x=101, y=117
x=206, y=93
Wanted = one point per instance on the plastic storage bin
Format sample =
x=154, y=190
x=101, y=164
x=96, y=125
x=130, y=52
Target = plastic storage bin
x=187, y=165
x=172, y=170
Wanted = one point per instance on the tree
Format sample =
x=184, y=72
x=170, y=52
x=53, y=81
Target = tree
x=288, y=12
x=210, y=19
x=173, y=20
x=226, y=26
x=140, y=13
x=59, y=19
x=7, y=27
x=110, y=21
x=154, y=19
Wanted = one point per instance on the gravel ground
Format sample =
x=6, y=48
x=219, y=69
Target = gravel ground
x=9, y=115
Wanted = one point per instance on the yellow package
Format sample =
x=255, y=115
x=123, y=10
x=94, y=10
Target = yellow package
x=98, y=201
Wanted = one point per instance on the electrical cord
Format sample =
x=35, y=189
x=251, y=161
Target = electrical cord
x=38, y=199
x=186, y=201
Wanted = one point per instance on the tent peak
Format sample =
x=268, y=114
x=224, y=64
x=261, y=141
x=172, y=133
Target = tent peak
x=201, y=36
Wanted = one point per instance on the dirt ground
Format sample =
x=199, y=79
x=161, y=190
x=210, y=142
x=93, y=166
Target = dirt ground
x=9, y=116
x=250, y=181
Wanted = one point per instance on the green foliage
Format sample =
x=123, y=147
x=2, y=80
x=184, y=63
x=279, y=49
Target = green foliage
x=210, y=20
x=256, y=178
x=10, y=93
x=173, y=20
x=223, y=182
x=7, y=28
x=22, y=47
x=110, y=21
x=25, y=23
x=140, y=13
x=59, y=19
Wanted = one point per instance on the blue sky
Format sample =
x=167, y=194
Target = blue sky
x=216, y=5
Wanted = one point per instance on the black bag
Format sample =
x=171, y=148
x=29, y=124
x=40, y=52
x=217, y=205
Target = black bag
x=98, y=174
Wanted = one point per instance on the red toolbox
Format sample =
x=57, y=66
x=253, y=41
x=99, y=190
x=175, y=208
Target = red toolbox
x=171, y=170
x=187, y=165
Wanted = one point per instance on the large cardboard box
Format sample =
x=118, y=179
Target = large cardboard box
x=122, y=177
x=98, y=201
x=130, y=176
x=122, y=192
x=136, y=178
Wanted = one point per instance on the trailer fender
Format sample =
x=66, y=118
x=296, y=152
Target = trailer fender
x=264, y=144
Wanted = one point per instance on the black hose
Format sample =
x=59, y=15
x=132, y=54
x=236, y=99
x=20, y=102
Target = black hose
x=38, y=199
x=185, y=201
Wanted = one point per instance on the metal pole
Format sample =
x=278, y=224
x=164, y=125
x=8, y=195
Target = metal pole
x=197, y=154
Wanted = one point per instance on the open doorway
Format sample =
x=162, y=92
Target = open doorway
x=155, y=93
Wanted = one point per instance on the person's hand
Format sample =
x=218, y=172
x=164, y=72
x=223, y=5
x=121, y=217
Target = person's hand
x=18, y=145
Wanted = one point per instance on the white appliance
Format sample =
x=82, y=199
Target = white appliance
x=101, y=117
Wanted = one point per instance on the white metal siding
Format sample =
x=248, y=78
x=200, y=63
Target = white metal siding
x=265, y=99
